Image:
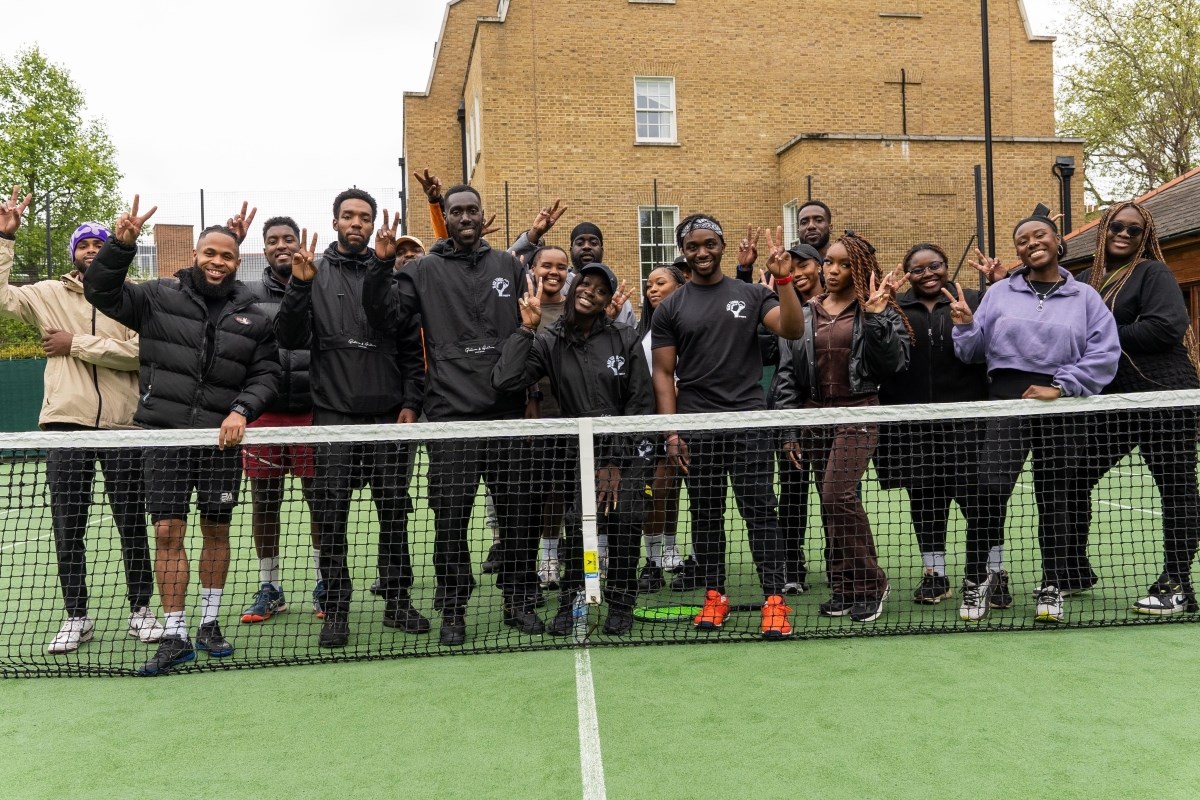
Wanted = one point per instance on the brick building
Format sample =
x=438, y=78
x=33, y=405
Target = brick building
x=639, y=112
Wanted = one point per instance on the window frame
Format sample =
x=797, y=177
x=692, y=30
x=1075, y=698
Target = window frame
x=673, y=137
x=667, y=243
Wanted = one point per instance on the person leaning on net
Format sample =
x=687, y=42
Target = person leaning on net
x=707, y=360
x=595, y=368
x=362, y=374
x=857, y=337
x=1043, y=335
x=208, y=360
x=466, y=295
x=90, y=384
x=1153, y=326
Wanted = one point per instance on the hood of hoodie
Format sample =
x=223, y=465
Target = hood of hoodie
x=446, y=249
x=571, y=337
x=73, y=281
x=272, y=282
x=360, y=260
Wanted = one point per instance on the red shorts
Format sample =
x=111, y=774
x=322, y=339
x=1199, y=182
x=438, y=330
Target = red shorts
x=277, y=460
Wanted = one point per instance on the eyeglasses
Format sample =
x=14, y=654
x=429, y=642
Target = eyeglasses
x=933, y=266
x=1134, y=231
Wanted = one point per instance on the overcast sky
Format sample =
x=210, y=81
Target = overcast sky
x=249, y=96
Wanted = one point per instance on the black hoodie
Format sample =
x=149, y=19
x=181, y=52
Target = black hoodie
x=355, y=367
x=294, y=393
x=467, y=304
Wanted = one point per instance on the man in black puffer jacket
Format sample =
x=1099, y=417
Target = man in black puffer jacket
x=362, y=374
x=208, y=360
x=466, y=294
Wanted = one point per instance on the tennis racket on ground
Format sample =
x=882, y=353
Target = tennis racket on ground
x=683, y=613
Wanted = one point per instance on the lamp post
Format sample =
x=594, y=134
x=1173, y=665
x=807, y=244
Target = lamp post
x=987, y=130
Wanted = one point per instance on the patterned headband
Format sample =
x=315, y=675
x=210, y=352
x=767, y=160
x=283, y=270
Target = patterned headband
x=701, y=223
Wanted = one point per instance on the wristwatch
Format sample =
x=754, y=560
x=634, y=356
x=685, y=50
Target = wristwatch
x=238, y=408
x=1056, y=385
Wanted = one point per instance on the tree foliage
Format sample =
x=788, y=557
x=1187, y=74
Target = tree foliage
x=1132, y=91
x=49, y=148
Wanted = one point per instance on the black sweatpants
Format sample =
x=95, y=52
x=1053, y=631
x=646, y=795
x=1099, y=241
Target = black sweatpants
x=70, y=474
x=387, y=469
x=507, y=468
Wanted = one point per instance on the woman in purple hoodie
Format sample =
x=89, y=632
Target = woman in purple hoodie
x=1043, y=335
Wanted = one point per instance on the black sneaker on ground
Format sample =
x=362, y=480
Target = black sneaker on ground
x=619, y=621
x=688, y=577
x=868, y=609
x=524, y=619
x=209, y=638
x=932, y=590
x=563, y=622
x=836, y=606
x=491, y=564
x=651, y=578
x=454, y=630
x=401, y=614
x=334, y=633
x=1001, y=593
x=172, y=651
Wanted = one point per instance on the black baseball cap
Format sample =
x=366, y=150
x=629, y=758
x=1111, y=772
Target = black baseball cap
x=805, y=252
x=601, y=269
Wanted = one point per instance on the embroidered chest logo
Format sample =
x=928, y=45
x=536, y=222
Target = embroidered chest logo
x=616, y=364
x=501, y=286
x=242, y=320
x=736, y=307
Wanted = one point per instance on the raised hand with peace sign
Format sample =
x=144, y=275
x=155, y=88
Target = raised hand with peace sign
x=545, y=220
x=779, y=262
x=531, y=303
x=129, y=224
x=747, y=252
x=960, y=312
x=11, y=212
x=304, y=260
x=883, y=292
x=990, y=268
x=240, y=222
x=385, y=237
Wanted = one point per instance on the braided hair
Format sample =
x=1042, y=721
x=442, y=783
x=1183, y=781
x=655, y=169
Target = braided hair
x=1150, y=247
x=864, y=264
x=648, y=310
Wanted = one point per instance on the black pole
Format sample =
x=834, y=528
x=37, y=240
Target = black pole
x=403, y=195
x=462, y=136
x=979, y=214
x=50, y=243
x=201, y=209
x=808, y=182
x=987, y=131
x=653, y=229
x=507, y=218
x=1064, y=168
x=904, y=102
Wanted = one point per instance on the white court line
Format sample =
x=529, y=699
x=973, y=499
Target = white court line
x=27, y=541
x=1025, y=486
x=591, y=764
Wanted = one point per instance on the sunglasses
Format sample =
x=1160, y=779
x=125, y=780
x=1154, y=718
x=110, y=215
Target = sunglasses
x=1134, y=231
x=933, y=266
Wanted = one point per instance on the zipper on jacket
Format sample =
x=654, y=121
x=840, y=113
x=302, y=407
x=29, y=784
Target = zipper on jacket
x=96, y=378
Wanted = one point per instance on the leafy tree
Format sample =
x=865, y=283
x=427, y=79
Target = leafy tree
x=49, y=148
x=1132, y=91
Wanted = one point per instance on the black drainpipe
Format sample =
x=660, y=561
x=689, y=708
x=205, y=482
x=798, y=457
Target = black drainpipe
x=462, y=135
x=1064, y=168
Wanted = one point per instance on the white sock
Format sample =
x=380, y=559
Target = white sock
x=317, y=563
x=995, y=558
x=210, y=604
x=268, y=571
x=550, y=549
x=176, y=623
x=927, y=560
x=654, y=548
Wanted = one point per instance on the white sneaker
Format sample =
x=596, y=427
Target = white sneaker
x=1049, y=604
x=977, y=599
x=671, y=560
x=145, y=626
x=548, y=573
x=74, y=632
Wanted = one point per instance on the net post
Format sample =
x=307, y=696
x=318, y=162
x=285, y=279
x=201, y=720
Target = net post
x=587, y=487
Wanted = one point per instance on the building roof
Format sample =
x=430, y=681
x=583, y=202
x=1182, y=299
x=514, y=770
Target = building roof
x=1176, y=209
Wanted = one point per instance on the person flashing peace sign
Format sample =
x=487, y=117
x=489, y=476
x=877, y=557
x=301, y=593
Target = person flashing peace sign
x=1043, y=335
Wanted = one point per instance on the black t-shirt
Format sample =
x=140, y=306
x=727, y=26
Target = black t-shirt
x=714, y=330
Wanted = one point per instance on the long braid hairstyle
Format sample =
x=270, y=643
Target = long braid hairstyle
x=1150, y=247
x=864, y=264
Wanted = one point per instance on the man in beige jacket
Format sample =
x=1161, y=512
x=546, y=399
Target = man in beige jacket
x=91, y=383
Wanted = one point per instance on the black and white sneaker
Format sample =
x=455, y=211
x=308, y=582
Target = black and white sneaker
x=172, y=651
x=871, y=608
x=1167, y=598
x=651, y=578
x=1049, y=604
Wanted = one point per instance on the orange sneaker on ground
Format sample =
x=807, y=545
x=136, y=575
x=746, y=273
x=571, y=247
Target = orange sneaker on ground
x=775, y=624
x=714, y=613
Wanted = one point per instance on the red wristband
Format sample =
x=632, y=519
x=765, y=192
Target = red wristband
x=784, y=281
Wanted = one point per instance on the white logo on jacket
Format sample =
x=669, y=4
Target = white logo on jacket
x=616, y=364
x=736, y=307
x=501, y=286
